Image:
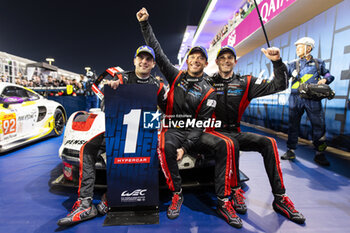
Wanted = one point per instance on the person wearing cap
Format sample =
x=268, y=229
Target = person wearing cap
x=83, y=209
x=307, y=69
x=190, y=98
x=234, y=93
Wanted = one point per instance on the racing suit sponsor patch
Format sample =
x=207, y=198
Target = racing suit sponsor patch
x=211, y=103
x=258, y=81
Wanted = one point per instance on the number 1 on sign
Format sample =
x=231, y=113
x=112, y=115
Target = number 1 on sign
x=132, y=120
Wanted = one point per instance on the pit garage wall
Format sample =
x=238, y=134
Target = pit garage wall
x=331, y=31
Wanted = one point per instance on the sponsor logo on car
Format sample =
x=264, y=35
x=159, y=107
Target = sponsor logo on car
x=67, y=171
x=74, y=142
x=26, y=117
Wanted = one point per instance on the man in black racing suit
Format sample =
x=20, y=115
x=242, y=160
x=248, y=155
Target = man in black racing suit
x=83, y=208
x=190, y=98
x=234, y=93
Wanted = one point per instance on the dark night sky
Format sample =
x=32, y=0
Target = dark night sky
x=99, y=33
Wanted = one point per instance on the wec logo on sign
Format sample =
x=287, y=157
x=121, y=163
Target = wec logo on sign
x=135, y=196
x=135, y=193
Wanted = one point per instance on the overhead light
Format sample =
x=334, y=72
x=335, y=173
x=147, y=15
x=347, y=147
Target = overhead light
x=50, y=60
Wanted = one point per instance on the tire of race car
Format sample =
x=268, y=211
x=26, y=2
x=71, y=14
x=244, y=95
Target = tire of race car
x=60, y=122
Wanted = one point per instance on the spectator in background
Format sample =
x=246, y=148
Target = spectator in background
x=91, y=98
x=63, y=81
x=79, y=89
x=241, y=12
x=67, y=82
x=30, y=83
x=249, y=4
x=3, y=78
x=49, y=82
x=82, y=77
x=20, y=75
x=17, y=81
x=24, y=81
x=74, y=83
x=236, y=17
x=56, y=83
x=37, y=81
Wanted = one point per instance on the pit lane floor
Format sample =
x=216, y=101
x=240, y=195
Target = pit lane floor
x=29, y=204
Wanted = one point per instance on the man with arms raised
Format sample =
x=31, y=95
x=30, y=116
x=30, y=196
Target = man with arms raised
x=234, y=93
x=190, y=97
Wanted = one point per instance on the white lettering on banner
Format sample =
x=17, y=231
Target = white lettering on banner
x=232, y=38
x=267, y=8
x=272, y=7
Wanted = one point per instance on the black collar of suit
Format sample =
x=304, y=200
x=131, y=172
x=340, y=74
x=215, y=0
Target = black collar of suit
x=191, y=79
x=218, y=79
x=138, y=79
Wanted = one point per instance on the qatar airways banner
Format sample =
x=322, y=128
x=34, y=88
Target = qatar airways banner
x=268, y=10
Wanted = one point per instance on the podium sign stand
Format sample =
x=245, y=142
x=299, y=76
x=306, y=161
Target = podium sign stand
x=132, y=120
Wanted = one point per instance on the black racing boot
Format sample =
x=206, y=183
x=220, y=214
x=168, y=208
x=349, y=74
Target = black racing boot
x=82, y=210
x=175, y=206
x=289, y=155
x=225, y=209
x=321, y=159
x=237, y=200
x=283, y=205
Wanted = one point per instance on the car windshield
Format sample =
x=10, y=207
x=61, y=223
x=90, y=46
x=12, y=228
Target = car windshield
x=15, y=94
